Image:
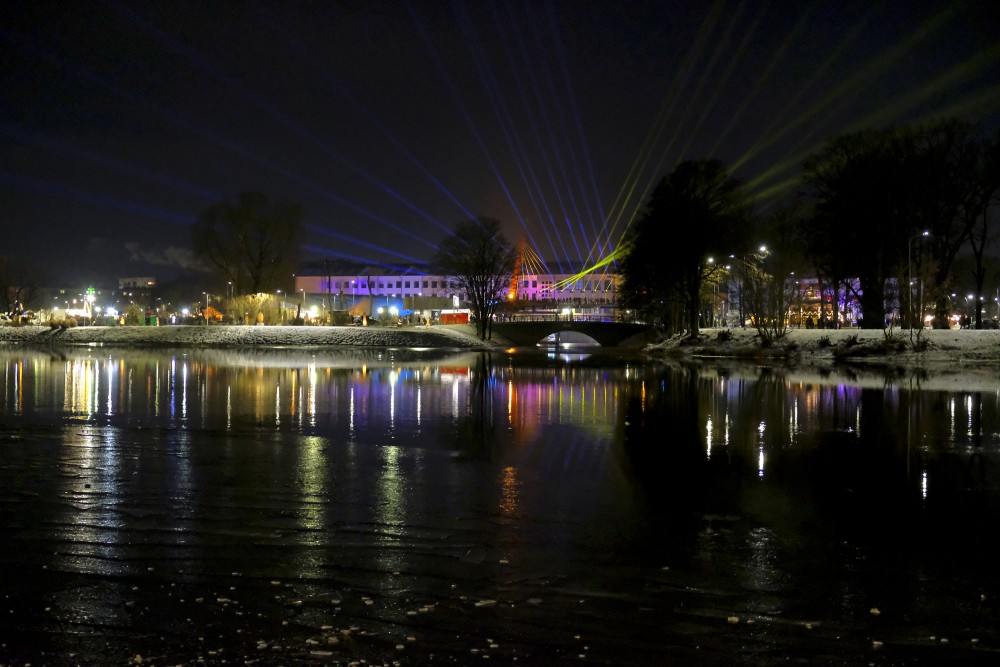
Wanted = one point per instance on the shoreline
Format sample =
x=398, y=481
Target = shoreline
x=246, y=336
x=951, y=346
x=928, y=350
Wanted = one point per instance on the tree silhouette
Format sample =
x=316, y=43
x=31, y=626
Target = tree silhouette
x=482, y=261
x=251, y=242
x=697, y=214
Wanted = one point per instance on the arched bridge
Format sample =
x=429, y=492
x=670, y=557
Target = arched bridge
x=607, y=334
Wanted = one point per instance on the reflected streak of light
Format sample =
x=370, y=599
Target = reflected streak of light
x=19, y=383
x=277, y=405
x=923, y=485
x=184, y=391
x=708, y=438
x=454, y=399
x=111, y=384
x=760, y=450
x=172, y=386
x=559, y=403
x=968, y=411
x=294, y=397
x=313, y=487
x=393, y=376
x=298, y=416
x=390, y=511
x=81, y=386
x=509, y=491
x=857, y=420
x=311, y=393
x=229, y=407
x=510, y=402
x=93, y=404
x=350, y=413
x=155, y=394
x=951, y=415
x=418, y=404
x=793, y=421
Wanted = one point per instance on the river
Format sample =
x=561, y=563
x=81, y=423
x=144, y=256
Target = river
x=409, y=506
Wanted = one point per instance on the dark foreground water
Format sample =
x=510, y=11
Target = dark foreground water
x=410, y=507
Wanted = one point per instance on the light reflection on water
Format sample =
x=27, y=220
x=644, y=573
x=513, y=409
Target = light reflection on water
x=502, y=472
x=388, y=396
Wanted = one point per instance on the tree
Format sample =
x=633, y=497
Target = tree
x=696, y=211
x=855, y=186
x=19, y=287
x=482, y=261
x=982, y=194
x=874, y=192
x=770, y=286
x=251, y=242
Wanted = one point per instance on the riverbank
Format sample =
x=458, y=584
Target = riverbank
x=239, y=336
x=949, y=360
x=952, y=348
x=927, y=349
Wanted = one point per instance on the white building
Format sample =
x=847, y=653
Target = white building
x=352, y=287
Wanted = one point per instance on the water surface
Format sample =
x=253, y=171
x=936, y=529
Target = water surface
x=426, y=507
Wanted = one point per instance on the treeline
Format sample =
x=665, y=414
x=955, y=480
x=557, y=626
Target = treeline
x=874, y=212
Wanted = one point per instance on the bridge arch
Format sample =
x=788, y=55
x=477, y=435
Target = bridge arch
x=606, y=334
x=569, y=338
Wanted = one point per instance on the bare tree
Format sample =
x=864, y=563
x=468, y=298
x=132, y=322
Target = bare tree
x=482, y=261
x=982, y=195
x=252, y=242
x=19, y=288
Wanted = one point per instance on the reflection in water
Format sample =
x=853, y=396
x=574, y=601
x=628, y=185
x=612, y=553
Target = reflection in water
x=642, y=489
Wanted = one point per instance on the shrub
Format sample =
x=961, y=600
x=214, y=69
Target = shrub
x=824, y=341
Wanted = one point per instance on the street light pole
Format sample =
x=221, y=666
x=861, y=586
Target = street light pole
x=909, y=278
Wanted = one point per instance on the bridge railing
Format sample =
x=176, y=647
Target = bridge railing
x=555, y=317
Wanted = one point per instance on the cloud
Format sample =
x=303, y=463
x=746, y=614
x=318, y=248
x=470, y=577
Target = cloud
x=173, y=256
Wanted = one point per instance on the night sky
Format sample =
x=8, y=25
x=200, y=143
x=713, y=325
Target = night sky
x=388, y=122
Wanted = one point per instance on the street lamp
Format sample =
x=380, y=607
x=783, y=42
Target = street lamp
x=909, y=270
x=90, y=306
x=744, y=273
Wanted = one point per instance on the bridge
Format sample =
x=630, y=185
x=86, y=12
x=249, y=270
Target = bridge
x=607, y=334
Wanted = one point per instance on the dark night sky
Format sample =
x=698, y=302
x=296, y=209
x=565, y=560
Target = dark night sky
x=388, y=122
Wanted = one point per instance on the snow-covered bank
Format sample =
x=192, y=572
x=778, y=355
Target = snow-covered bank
x=246, y=336
x=949, y=360
x=953, y=346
